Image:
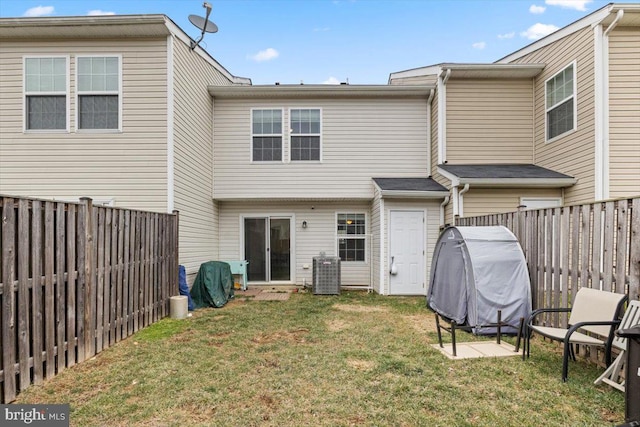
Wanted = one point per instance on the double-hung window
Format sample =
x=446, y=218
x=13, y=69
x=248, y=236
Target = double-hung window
x=266, y=133
x=560, y=94
x=99, y=98
x=46, y=93
x=351, y=228
x=305, y=134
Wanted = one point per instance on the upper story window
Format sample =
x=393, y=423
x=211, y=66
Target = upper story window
x=560, y=93
x=305, y=134
x=266, y=132
x=46, y=93
x=351, y=228
x=98, y=92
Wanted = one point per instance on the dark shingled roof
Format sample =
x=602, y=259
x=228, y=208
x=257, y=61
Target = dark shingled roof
x=409, y=184
x=497, y=171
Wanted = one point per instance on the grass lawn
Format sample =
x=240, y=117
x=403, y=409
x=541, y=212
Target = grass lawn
x=348, y=360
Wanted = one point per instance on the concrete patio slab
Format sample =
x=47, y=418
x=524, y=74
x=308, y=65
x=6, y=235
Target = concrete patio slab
x=474, y=350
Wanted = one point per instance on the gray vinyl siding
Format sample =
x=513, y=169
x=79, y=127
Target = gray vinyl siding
x=319, y=236
x=193, y=156
x=361, y=138
x=574, y=153
x=128, y=167
x=489, y=121
x=624, y=112
x=432, y=230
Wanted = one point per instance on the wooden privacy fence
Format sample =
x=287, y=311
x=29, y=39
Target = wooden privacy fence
x=75, y=279
x=594, y=245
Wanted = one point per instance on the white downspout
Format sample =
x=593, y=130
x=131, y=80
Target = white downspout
x=442, y=206
x=170, y=141
x=383, y=252
x=429, y=142
x=601, y=83
x=443, y=77
x=461, y=202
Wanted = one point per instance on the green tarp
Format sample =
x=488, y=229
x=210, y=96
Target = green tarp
x=213, y=286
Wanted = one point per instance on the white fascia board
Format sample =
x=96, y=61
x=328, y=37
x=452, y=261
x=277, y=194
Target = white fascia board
x=408, y=194
x=587, y=21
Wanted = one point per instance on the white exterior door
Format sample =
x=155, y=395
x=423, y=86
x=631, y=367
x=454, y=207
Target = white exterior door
x=407, y=243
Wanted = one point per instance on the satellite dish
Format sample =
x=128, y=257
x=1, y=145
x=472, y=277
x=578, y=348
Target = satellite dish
x=203, y=24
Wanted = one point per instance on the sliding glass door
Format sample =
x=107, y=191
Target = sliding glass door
x=267, y=247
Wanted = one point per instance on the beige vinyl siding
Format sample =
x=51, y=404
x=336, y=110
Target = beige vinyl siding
x=574, y=153
x=624, y=113
x=489, y=121
x=193, y=156
x=319, y=236
x=434, y=134
x=129, y=167
x=485, y=201
x=376, y=206
x=429, y=79
x=432, y=230
x=361, y=139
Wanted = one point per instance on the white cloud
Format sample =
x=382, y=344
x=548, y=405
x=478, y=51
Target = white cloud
x=570, y=4
x=331, y=81
x=537, y=31
x=39, y=11
x=98, y=12
x=537, y=10
x=479, y=45
x=507, y=35
x=265, y=55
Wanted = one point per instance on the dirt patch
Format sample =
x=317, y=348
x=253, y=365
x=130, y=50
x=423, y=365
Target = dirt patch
x=422, y=322
x=295, y=336
x=336, y=325
x=361, y=365
x=360, y=308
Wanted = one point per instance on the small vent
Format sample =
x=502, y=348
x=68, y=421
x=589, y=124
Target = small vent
x=326, y=275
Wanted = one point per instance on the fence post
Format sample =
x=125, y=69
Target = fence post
x=89, y=273
x=173, y=279
x=8, y=300
x=634, y=256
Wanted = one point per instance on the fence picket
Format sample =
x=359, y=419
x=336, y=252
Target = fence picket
x=36, y=291
x=71, y=285
x=608, y=249
x=620, y=248
x=60, y=287
x=24, y=336
x=634, y=251
x=49, y=308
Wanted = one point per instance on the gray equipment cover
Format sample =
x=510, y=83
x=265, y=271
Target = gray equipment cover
x=477, y=271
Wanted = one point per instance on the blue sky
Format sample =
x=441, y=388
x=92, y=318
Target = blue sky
x=328, y=41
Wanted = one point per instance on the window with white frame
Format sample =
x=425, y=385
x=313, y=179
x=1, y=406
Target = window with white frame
x=266, y=129
x=45, y=89
x=98, y=81
x=305, y=134
x=561, y=103
x=351, y=228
